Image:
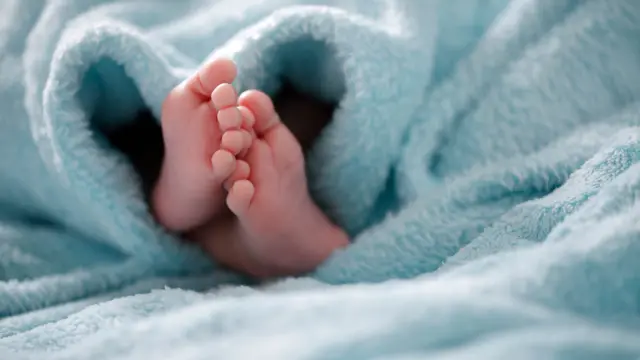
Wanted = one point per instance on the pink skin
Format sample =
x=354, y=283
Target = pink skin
x=201, y=142
x=273, y=227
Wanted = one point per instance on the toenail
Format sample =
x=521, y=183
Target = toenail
x=224, y=96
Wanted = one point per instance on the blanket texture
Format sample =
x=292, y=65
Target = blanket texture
x=483, y=156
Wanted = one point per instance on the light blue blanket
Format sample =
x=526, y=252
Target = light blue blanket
x=484, y=156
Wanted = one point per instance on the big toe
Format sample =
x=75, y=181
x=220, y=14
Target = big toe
x=209, y=77
x=262, y=108
x=240, y=196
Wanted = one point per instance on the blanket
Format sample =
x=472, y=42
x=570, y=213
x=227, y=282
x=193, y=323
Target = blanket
x=483, y=156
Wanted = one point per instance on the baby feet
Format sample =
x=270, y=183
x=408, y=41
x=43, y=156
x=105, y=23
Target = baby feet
x=278, y=229
x=218, y=149
x=203, y=131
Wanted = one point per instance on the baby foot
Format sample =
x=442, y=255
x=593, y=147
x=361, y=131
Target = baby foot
x=203, y=130
x=279, y=230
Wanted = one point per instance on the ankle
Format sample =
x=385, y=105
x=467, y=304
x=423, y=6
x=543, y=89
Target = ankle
x=323, y=236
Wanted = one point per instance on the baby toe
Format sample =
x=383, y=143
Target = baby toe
x=262, y=109
x=229, y=118
x=224, y=96
x=233, y=141
x=223, y=164
x=210, y=76
x=240, y=196
x=242, y=172
x=248, y=119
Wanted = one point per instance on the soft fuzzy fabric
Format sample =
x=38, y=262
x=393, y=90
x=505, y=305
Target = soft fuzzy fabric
x=483, y=156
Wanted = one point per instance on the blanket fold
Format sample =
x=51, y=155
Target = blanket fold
x=483, y=156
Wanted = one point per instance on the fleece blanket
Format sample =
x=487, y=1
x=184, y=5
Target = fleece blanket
x=483, y=156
